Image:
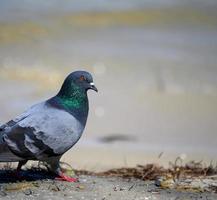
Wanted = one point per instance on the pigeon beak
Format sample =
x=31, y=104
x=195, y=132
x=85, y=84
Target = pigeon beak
x=93, y=87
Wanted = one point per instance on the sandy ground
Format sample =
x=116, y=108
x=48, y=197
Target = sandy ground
x=95, y=188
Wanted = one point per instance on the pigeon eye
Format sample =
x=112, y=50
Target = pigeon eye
x=82, y=78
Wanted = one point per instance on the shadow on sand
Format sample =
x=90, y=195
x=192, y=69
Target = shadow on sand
x=10, y=176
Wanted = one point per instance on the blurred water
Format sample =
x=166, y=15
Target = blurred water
x=12, y=10
x=154, y=63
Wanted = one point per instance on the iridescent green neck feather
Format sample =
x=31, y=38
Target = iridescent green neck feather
x=73, y=97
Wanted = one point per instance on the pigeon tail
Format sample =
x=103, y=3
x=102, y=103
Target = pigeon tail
x=6, y=155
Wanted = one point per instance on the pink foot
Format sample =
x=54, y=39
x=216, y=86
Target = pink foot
x=63, y=177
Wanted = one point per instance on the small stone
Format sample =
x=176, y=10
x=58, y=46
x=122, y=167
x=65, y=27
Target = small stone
x=28, y=192
x=3, y=193
x=54, y=188
x=81, y=187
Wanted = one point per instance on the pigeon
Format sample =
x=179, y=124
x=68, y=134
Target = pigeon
x=48, y=129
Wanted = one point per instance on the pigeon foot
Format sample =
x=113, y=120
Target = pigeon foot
x=62, y=177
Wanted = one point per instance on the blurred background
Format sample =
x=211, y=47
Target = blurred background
x=153, y=61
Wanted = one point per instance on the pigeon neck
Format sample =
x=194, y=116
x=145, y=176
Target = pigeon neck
x=72, y=100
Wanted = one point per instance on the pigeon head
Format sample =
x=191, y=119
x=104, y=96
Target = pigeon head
x=82, y=79
x=78, y=81
x=73, y=93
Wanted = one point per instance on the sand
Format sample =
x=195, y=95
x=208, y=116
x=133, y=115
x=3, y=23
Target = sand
x=39, y=184
x=96, y=188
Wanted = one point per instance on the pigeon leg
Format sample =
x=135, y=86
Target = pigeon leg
x=54, y=166
x=20, y=164
x=17, y=173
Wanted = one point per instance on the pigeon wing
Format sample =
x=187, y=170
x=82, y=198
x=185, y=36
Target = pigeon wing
x=6, y=155
x=42, y=132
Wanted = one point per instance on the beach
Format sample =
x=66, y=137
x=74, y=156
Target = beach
x=154, y=64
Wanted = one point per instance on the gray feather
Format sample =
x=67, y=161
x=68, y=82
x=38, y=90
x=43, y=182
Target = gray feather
x=38, y=133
